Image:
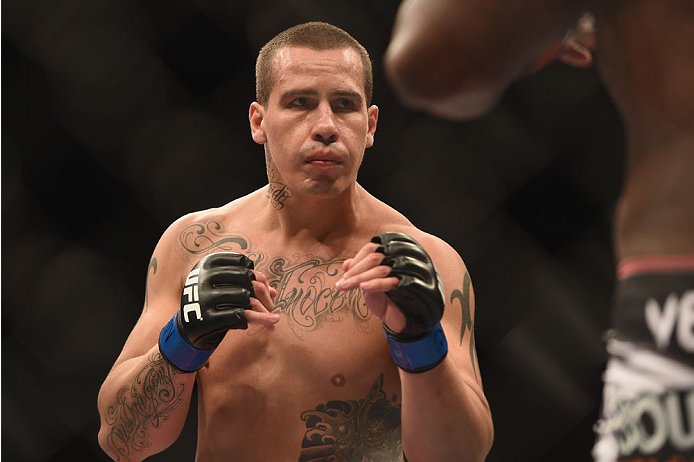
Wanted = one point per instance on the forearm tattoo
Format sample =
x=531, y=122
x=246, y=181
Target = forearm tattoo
x=150, y=400
x=305, y=284
x=368, y=430
x=467, y=324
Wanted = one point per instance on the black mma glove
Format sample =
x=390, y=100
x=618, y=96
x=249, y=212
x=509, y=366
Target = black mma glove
x=215, y=298
x=422, y=345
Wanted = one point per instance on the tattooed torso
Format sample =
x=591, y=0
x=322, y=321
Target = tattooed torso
x=320, y=387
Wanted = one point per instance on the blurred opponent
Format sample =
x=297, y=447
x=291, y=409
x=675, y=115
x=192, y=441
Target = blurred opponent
x=456, y=58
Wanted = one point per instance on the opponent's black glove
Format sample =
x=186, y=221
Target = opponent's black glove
x=215, y=298
x=419, y=295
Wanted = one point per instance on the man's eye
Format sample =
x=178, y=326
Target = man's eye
x=345, y=104
x=301, y=101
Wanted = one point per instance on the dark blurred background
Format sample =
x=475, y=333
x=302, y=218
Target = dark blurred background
x=119, y=116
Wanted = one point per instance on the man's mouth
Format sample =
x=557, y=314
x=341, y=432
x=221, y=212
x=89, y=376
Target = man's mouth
x=324, y=160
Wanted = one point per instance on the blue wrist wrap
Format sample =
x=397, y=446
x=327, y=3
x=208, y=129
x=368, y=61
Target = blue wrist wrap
x=178, y=351
x=419, y=355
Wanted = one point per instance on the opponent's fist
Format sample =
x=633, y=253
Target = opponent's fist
x=216, y=295
x=419, y=294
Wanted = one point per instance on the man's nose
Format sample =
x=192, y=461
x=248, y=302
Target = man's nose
x=325, y=129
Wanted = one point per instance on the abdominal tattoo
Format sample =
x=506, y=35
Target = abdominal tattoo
x=150, y=400
x=368, y=430
x=305, y=284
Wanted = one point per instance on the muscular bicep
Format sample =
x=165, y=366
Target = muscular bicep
x=163, y=285
x=478, y=50
x=458, y=319
x=460, y=310
x=459, y=322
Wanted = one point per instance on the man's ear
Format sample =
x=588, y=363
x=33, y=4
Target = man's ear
x=256, y=114
x=576, y=55
x=373, y=121
x=581, y=42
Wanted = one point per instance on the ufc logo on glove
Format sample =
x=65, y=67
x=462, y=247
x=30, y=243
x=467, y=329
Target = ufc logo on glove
x=190, y=290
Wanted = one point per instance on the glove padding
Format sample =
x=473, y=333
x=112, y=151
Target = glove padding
x=216, y=295
x=215, y=298
x=419, y=295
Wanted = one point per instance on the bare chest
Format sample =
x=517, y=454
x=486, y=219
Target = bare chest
x=325, y=389
x=322, y=383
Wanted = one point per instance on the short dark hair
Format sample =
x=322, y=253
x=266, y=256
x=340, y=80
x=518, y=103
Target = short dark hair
x=314, y=35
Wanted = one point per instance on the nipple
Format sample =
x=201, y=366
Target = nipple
x=338, y=380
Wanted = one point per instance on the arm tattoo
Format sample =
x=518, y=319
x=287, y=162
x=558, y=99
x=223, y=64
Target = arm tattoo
x=277, y=192
x=152, y=266
x=367, y=430
x=145, y=405
x=464, y=299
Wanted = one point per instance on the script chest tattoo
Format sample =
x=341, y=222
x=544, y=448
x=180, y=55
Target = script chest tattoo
x=367, y=430
x=305, y=284
x=306, y=293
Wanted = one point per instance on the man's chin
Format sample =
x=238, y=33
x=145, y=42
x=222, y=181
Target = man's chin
x=323, y=188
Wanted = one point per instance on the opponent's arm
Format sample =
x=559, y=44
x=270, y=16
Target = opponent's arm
x=144, y=401
x=479, y=48
x=445, y=415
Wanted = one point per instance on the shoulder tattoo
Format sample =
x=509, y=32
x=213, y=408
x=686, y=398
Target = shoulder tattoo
x=202, y=238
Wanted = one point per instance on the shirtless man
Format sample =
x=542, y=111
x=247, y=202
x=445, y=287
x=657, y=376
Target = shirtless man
x=647, y=63
x=308, y=312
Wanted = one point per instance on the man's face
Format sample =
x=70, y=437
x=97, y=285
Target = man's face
x=315, y=125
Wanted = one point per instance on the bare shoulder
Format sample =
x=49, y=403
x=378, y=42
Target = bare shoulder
x=446, y=258
x=185, y=241
x=199, y=233
x=390, y=220
x=444, y=255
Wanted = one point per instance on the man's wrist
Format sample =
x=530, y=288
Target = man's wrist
x=178, y=352
x=418, y=355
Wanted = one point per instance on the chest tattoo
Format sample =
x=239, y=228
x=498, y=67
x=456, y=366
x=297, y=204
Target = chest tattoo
x=209, y=236
x=306, y=293
x=305, y=284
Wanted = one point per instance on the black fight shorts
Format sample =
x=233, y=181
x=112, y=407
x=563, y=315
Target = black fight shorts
x=648, y=397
